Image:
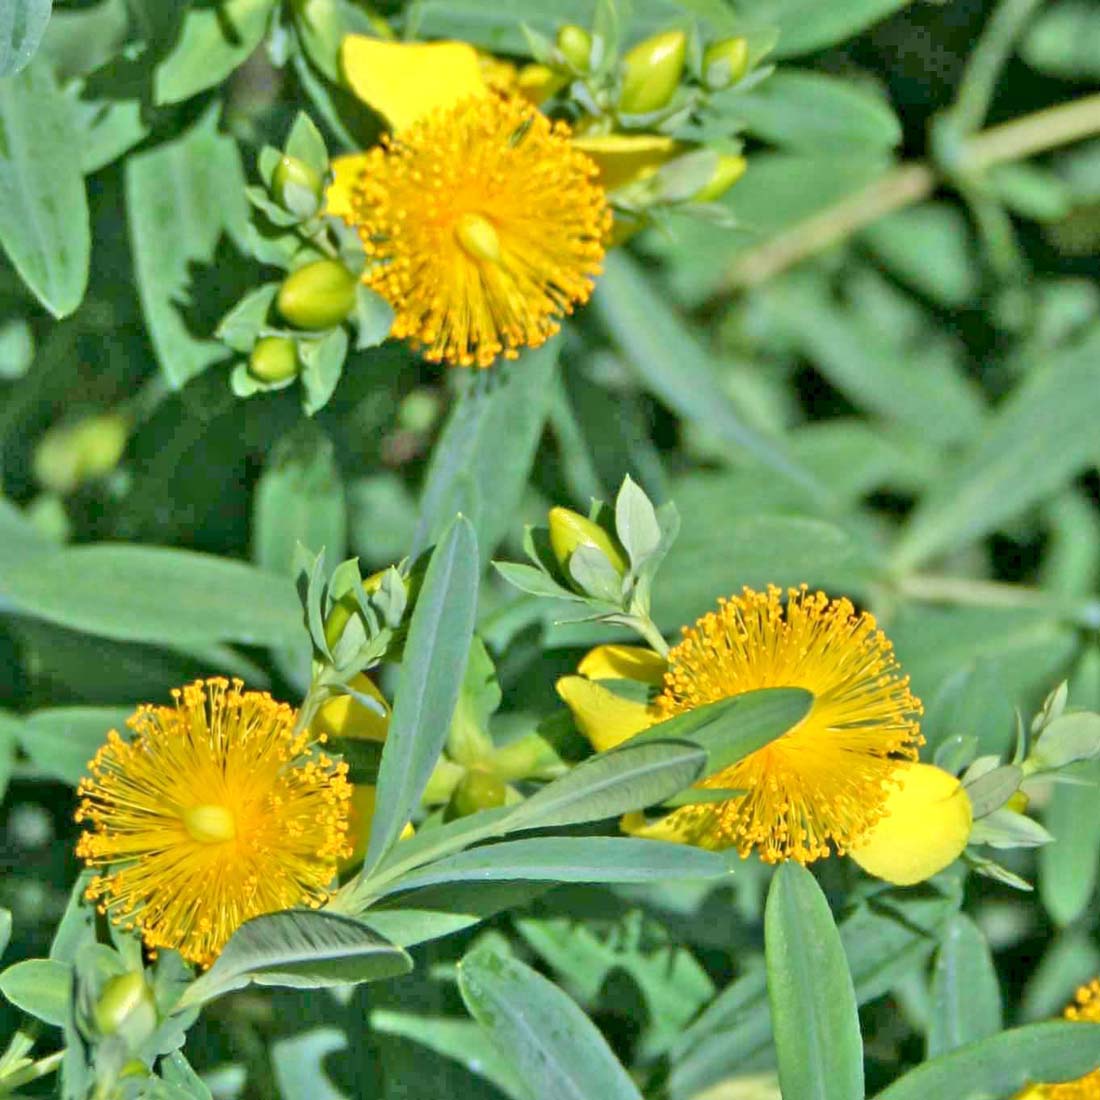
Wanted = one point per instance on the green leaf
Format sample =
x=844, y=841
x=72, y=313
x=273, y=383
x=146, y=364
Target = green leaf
x=461, y=1040
x=22, y=25
x=20, y=541
x=966, y=1000
x=886, y=938
x=301, y=948
x=213, y=41
x=1039, y=440
x=717, y=552
x=807, y=110
x=155, y=594
x=609, y=784
x=554, y=1049
x=322, y=365
x=813, y=1002
x=730, y=729
x=1064, y=41
x=674, y=366
x=807, y=25
x=181, y=196
x=432, y=670
x=40, y=987
x=299, y=499
x=1068, y=867
x=61, y=740
x=1003, y=1064
x=43, y=208
x=481, y=462
x=929, y=247
x=569, y=859
x=5, y=929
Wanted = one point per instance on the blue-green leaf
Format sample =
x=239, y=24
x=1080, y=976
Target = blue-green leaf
x=43, y=208
x=552, y=1046
x=813, y=1002
x=966, y=1000
x=22, y=24
x=431, y=676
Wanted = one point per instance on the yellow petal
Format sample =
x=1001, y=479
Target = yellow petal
x=345, y=175
x=345, y=716
x=926, y=827
x=672, y=827
x=625, y=158
x=605, y=718
x=623, y=662
x=404, y=81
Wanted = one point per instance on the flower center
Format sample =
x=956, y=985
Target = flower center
x=478, y=238
x=209, y=823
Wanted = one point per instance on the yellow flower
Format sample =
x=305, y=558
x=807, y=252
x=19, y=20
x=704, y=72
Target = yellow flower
x=821, y=786
x=216, y=812
x=482, y=223
x=925, y=827
x=1084, y=1006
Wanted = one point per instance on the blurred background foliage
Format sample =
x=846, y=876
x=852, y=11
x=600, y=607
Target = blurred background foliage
x=884, y=381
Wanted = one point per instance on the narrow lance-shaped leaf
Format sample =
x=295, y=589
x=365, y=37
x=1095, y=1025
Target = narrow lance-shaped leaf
x=304, y=948
x=966, y=1001
x=813, y=1002
x=540, y=1031
x=22, y=24
x=1003, y=1064
x=427, y=690
x=43, y=207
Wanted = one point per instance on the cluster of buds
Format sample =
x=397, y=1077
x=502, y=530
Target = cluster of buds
x=643, y=116
x=298, y=328
x=1000, y=792
x=604, y=563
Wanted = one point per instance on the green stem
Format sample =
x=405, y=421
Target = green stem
x=912, y=183
x=32, y=1072
x=647, y=628
x=987, y=60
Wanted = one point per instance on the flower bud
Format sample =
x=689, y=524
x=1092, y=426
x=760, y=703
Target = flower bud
x=68, y=455
x=297, y=186
x=568, y=530
x=344, y=608
x=1018, y=803
x=651, y=72
x=725, y=62
x=477, y=790
x=575, y=45
x=729, y=169
x=273, y=359
x=539, y=82
x=317, y=296
x=126, y=1006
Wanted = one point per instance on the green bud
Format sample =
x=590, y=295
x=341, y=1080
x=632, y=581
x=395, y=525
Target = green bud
x=317, y=296
x=725, y=62
x=67, y=456
x=538, y=83
x=344, y=608
x=297, y=186
x=57, y=461
x=651, y=72
x=273, y=359
x=126, y=1006
x=568, y=530
x=729, y=169
x=575, y=45
x=1018, y=803
x=476, y=790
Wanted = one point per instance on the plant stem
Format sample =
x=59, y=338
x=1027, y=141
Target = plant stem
x=910, y=183
x=647, y=628
x=32, y=1072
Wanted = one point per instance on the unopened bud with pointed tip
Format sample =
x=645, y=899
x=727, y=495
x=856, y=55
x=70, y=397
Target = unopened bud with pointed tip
x=477, y=790
x=273, y=359
x=725, y=62
x=318, y=295
x=651, y=72
x=729, y=169
x=126, y=1006
x=575, y=45
x=297, y=186
x=570, y=530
